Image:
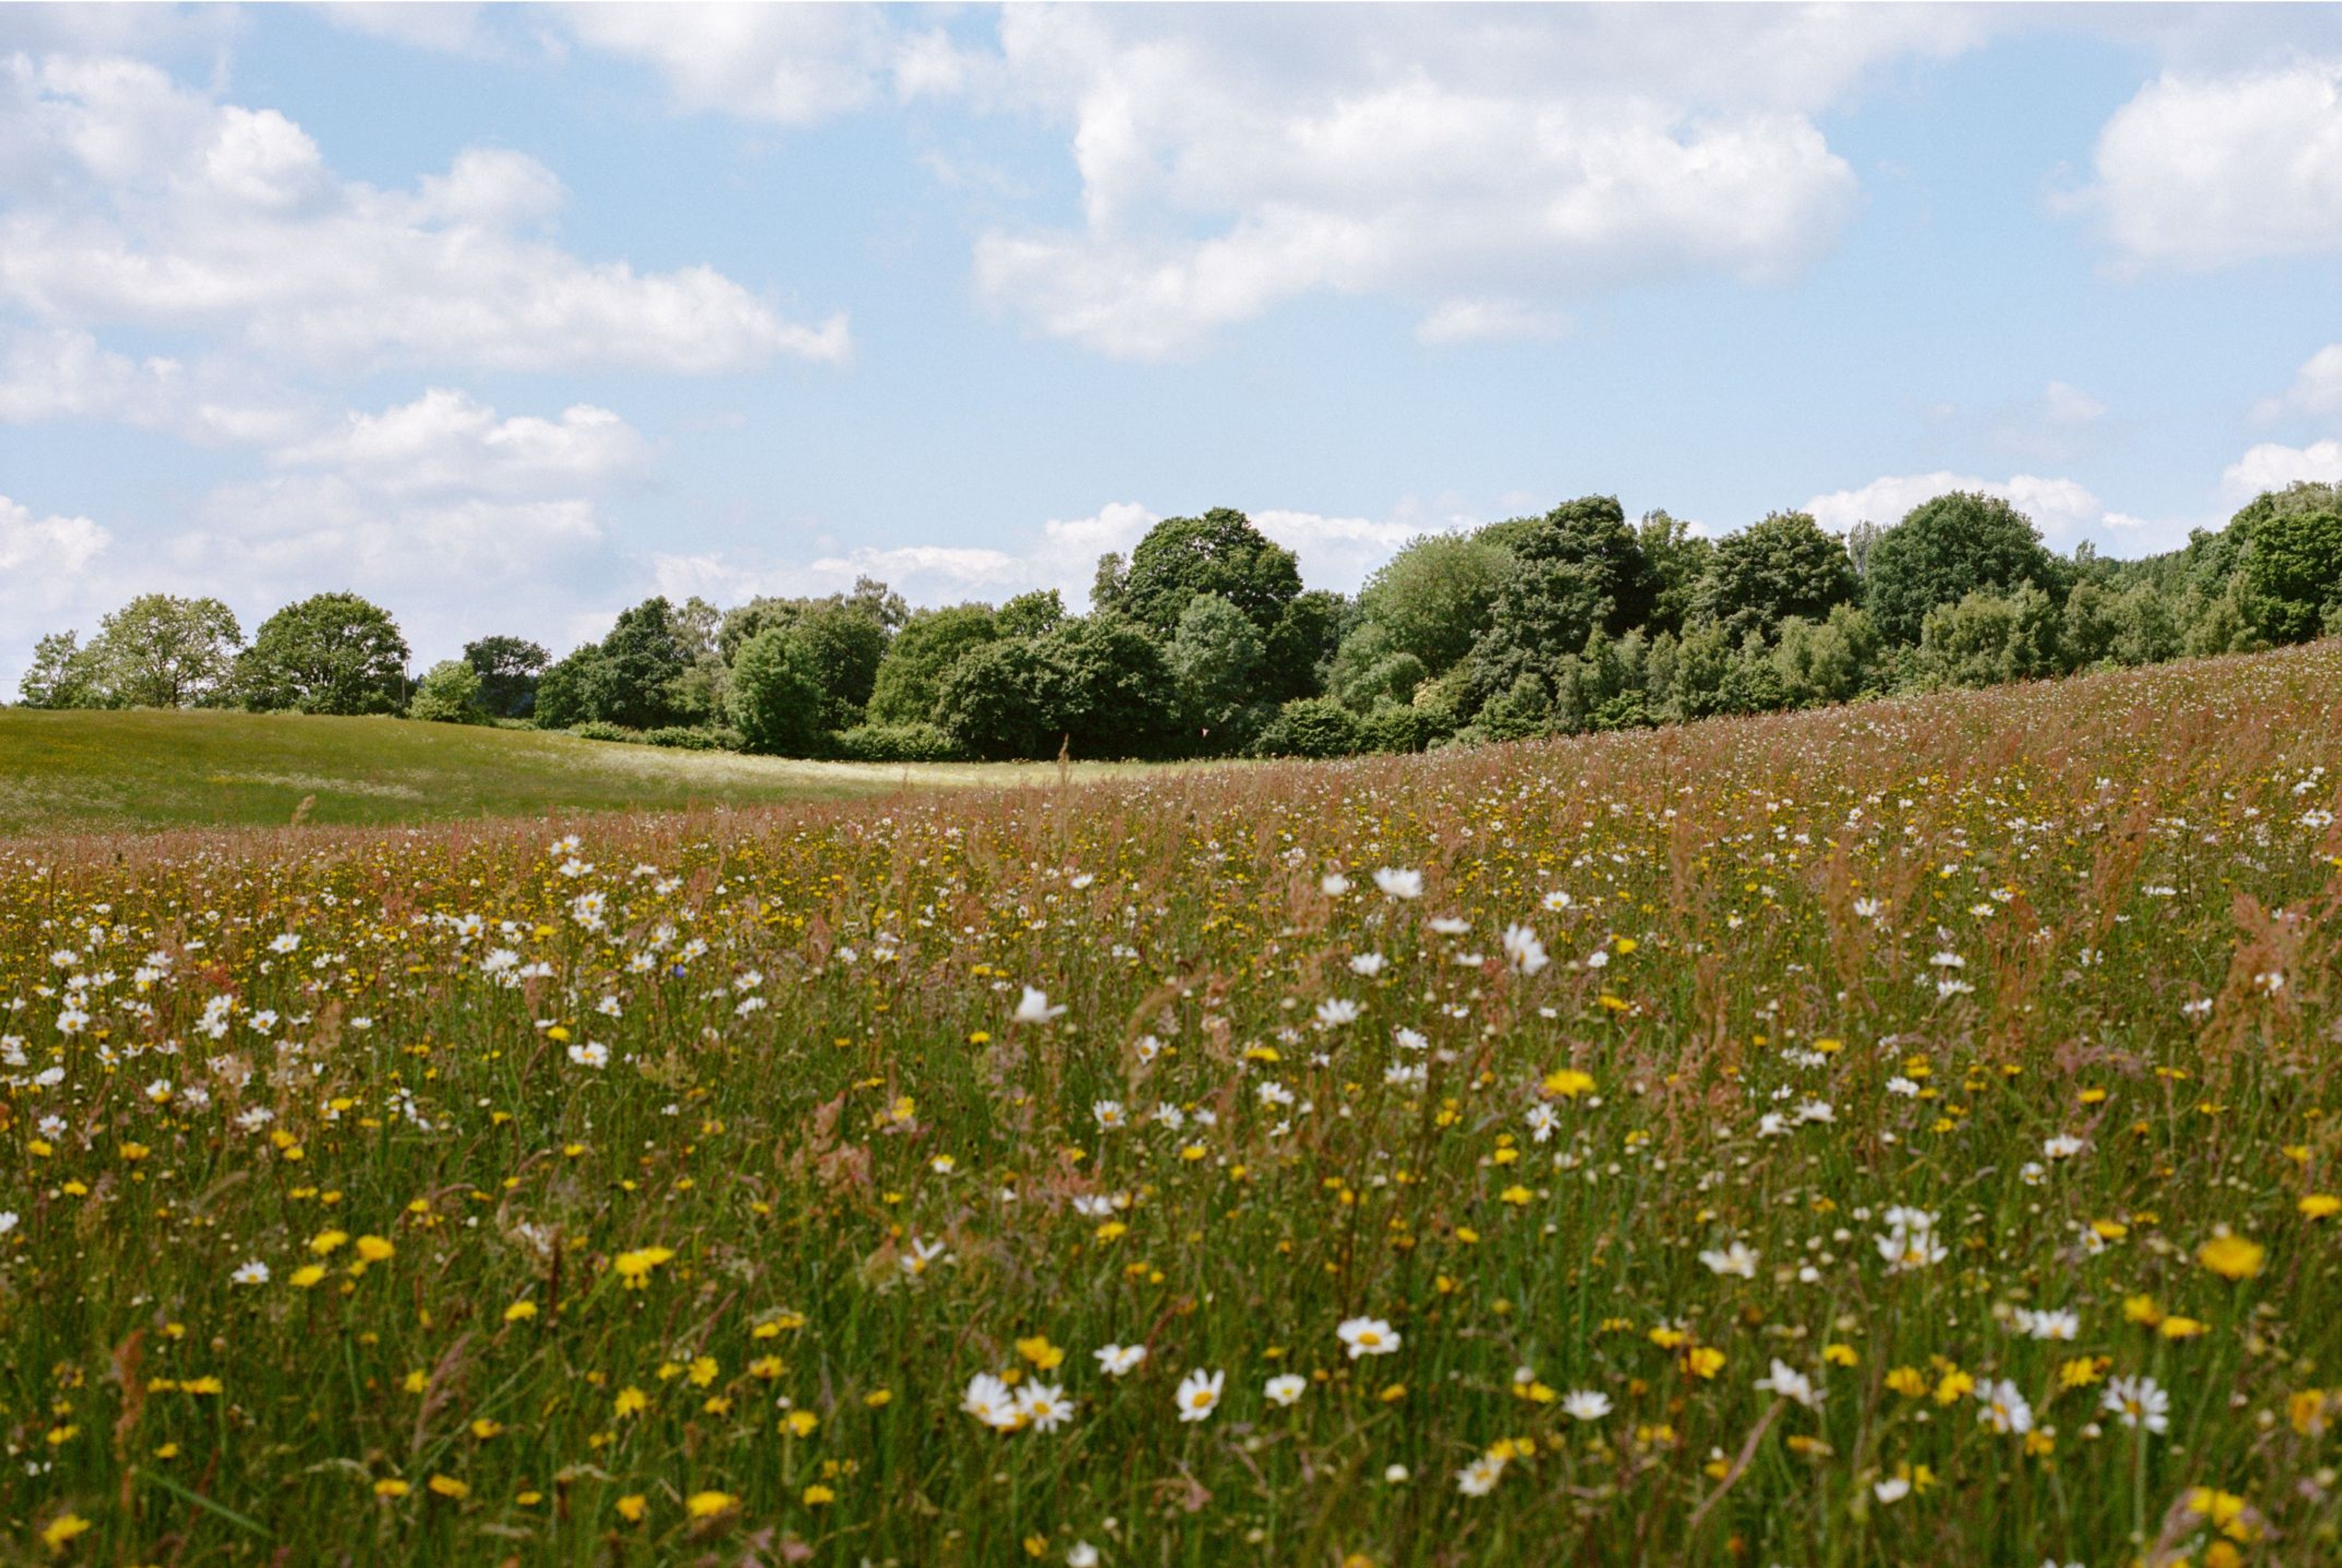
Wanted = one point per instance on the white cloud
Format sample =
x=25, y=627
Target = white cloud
x=2271, y=467
x=1487, y=321
x=2316, y=388
x=792, y=64
x=447, y=441
x=64, y=374
x=2200, y=171
x=2069, y=407
x=1485, y=167
x=46, y=549
x=139, y=201
x=447, y=27
x=2064, y=510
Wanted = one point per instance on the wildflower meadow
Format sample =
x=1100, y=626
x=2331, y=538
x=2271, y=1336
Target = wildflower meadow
x=1897, y=1134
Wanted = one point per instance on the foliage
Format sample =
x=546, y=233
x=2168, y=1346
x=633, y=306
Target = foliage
x=1946, y=549
x=999, y=702
x=1219, y=552
x=920, y=656
x=778, y=697
x=1215, y=658
x=1311, y=727
x=919, y=743
x=1989, y=638
x=1577, y=570
x=2294, y=568
x=162, y=652
x=1106, y=686
x=508, y=668
x=329, y=653
x=449, y=693
x=63, y=674
x=1433, y=599
x=1763, y=575
x=642, y=659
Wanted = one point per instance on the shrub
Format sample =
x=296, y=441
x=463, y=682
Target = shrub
x=449, y=694
x=696, y=738
x=897, y=744
x=1311, y=727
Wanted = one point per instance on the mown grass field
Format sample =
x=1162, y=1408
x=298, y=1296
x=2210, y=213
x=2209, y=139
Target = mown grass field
x=82, y=771
x=1896, y=1135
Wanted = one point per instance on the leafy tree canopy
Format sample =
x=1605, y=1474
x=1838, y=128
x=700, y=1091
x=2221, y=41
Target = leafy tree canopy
x=1769, y=571
x=508, y=668
x=1948, y=548
x=1219, y=552
x=329, y=653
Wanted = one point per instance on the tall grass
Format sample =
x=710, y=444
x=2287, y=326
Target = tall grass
x=1774, y=1141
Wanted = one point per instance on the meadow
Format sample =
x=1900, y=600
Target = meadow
x=97, y=771
x=1897, y=1134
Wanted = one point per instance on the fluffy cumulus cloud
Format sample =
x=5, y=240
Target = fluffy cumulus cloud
x=2271, y=466
x=1225, y=170
x=2198, y=172
x=2063, y=510
x=791, y=64
x=448, y=441
x=1483, y=168
x=135, y=201
x=2316, y=388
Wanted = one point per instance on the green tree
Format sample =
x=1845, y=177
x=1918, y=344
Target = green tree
x=1578, y=569
x=646, y=654
x=1948, y=548
x=162, y=652
x=1986, y=639
x=1219, y=552
x=1112, y=687
x=329, y=653
x=1769, y=571
x=1434, y=598
x=1215, y=658
x=449, y=693
x=509, y=669
x=997, y=701
x=921, y=654
x=1033, y=614
x=1831, y=661
x=1677, y=561
x=565, y=692
x=846, y=644
x=63, y=674
x=777, y=698
x=1299, y=647
x=2293, y=567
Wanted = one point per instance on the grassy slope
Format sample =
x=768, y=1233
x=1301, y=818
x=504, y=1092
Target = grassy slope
x=78, y=772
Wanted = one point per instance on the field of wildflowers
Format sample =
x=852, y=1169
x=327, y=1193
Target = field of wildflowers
x=1902, y=1134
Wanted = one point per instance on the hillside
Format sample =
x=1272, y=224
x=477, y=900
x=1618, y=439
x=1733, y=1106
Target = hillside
x=1897, y=1134
x=98, y=771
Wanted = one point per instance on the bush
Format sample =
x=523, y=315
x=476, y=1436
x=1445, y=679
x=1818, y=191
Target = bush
x=449, y=693
x=1391, y=728
x=898, y=744
x=1311, y=727
x=695, y=738
x=604, y=730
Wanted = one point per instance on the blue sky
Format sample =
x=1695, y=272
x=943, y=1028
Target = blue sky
x=508, y=316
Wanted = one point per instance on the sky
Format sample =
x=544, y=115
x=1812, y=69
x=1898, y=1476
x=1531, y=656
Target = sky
x=510, y=317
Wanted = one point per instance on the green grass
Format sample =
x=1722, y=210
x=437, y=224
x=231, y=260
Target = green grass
x=104, y=771
x=1905, y=1134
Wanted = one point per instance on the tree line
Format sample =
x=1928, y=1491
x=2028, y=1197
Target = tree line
x=1203, y=641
